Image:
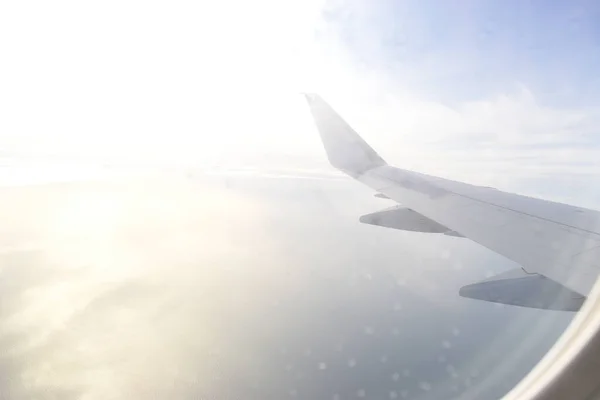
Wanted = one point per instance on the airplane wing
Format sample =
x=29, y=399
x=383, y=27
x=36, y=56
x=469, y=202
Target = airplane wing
x=557, y=245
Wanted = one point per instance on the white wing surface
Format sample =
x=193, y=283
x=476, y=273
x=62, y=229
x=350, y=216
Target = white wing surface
x=558, y=242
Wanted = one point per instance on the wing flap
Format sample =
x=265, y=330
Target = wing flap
x=404, y=219
x=519, y=288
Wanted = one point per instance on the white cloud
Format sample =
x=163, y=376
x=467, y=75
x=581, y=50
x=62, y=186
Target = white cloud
x=510, y=141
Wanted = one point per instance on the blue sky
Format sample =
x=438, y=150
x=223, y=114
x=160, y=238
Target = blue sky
x=457, y=51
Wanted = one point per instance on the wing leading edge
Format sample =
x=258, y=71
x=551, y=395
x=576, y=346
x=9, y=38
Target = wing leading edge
x=558, y=243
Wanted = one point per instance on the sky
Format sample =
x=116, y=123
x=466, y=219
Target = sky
x=501, y=93
x=472, y=50
x=498, y=93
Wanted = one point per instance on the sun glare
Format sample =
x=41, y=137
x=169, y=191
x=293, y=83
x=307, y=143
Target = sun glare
x=191, y=80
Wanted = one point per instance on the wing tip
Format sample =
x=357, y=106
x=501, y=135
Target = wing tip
x=345, y=149
x=311, y=97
